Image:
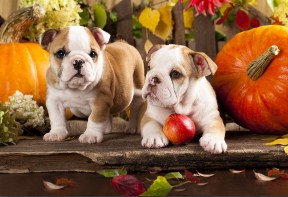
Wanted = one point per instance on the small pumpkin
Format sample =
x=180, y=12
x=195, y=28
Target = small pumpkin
x=251, y=82
x=22, y=65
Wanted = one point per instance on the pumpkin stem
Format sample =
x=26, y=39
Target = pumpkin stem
x=13, y=29
x=258, y=66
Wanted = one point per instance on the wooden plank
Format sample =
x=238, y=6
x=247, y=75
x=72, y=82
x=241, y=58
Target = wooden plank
x=205, y=35
x=179, y=30
x=245, y=150
x=124, y=22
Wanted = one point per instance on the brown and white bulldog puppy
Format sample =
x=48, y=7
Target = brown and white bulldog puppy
x=91, y=78
x=176, y=83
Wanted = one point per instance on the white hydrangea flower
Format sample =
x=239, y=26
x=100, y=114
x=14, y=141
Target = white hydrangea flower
x=281, y=11
x=25, y=110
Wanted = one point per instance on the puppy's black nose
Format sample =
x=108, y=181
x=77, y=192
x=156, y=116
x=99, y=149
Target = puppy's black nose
x=77, y=64
x=155, y=81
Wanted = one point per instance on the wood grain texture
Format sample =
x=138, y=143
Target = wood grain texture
x=245, y=150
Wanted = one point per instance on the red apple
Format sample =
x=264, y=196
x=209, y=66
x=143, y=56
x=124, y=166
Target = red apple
x=179, y=129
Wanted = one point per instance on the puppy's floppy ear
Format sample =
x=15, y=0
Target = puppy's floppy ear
x=47, y=37
x=102, y=37
x=203, y=63
x=152, y=50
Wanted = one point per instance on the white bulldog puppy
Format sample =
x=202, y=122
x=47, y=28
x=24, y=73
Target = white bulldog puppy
x=91, y=78
x=176, y=83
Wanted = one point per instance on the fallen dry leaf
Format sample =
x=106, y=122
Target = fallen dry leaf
x=67, y=182
x=204, y=175
x=236, y=171
x=189, y=176
x=179, y=189
x=201, y=184
x=275, y=172
x=51, y=186
x=262, y=177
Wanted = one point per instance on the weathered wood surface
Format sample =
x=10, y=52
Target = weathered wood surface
x=245, y=150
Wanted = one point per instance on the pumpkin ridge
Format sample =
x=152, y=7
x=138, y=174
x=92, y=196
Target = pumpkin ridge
x=33, y=72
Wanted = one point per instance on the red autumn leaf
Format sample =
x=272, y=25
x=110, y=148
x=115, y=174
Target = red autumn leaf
x=224, y=17
x=190, y=177
x=254, y=22
x=278, y=173
x=65, y=182
x=128, y=185
x=242, y=20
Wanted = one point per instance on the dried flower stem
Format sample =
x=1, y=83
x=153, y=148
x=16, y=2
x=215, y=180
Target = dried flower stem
x=258, y=66
x=17, y=23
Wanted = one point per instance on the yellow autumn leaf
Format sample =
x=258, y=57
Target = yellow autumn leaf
x=165, y=25
x=188, y=16
x=285, y=136
x=286, y=150
x=149, y=18
x=270, y=138
x=148, y=45
x=224, y=7
x=280, y=141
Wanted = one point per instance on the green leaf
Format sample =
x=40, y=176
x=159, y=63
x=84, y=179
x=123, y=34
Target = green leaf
x=113, y=16
x=112, y=173
x=100, y=15
x=84, y=17
x=174, y=175
x=160, y=187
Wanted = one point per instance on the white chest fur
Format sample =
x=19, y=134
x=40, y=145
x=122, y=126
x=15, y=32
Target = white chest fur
x=78, y=101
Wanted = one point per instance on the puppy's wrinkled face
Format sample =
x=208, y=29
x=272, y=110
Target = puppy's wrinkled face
x=172, y=70
x=75, y=56
x=168, y=77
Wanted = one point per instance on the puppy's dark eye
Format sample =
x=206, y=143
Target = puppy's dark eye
x=60, y=54
x=93, y=54
x=175, y=74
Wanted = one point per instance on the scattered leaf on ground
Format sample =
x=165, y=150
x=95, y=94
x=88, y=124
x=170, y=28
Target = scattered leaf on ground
x=174, y=175
x=204, y=175
x=201, y=184
x=286, y=150
x=280, y=141
x=179, y=189
x=67, y=182
x=270, y=138
x=236, y=171
x=160, y=187
x=262, y=177
x=189, y=176
x=112, y=173
x=128, y=185
x=52, y=186
x=277, y=173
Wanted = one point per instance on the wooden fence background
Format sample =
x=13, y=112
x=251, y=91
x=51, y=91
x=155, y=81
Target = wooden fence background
x=204, y=28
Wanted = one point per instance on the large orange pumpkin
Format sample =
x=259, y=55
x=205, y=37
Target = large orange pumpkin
x=255, y=94
x=23, y=67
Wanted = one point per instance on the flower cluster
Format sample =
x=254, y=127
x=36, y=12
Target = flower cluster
x=59, y=13
x=281, y=12
x=201, y=6
x=25, y=110
x=10, y=129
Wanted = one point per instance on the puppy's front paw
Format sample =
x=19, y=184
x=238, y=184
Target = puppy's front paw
x=91, y=138
x=155, y=141
x=213, y=143
x=58, y=134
